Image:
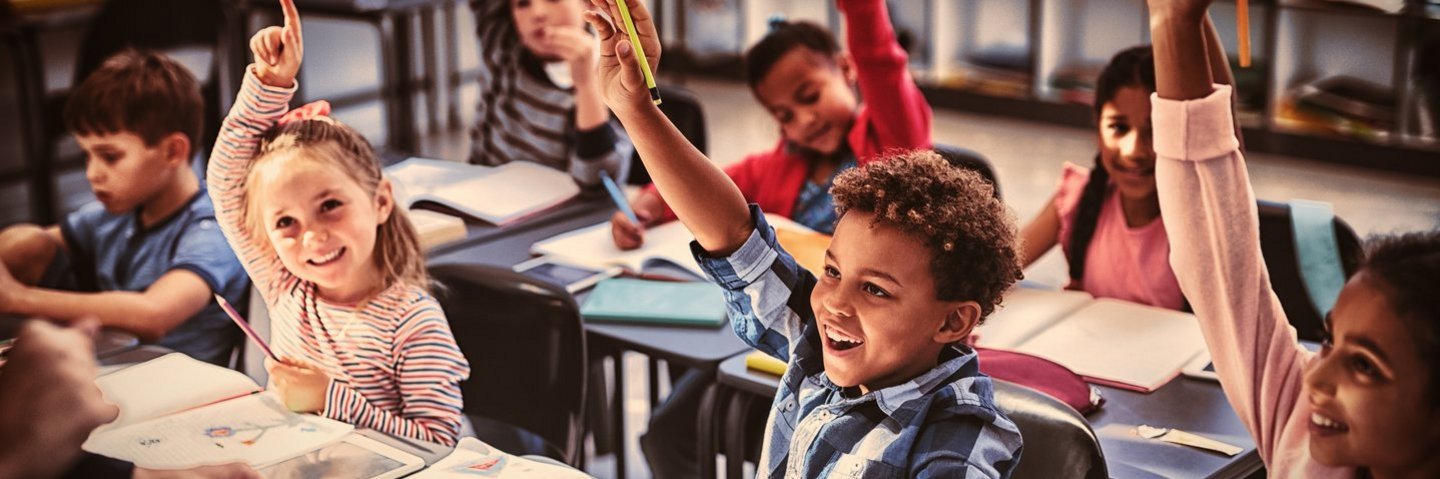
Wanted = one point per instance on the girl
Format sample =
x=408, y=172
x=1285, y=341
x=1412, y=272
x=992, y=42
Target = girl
x=807, y=82
x=1109, y=217
x=302, y=201
x=1368, y=405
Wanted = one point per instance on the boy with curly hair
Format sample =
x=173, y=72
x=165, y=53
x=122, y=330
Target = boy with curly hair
x=878, y=382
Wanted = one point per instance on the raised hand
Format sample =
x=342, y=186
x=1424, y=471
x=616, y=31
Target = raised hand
x=621, y=83
x=1188, y=9
x=279, y=50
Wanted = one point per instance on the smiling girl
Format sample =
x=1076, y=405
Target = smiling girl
x=303, y=203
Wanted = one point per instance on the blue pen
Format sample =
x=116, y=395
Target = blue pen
x=618, y=197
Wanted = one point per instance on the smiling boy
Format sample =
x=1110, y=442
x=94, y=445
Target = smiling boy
x=147, y=256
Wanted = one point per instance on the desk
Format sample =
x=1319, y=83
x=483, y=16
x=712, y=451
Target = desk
x=1192, y=405
x=693, y=347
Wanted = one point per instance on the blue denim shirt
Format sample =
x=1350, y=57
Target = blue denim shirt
x=943, y=423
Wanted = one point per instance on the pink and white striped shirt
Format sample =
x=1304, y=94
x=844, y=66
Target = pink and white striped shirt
x=393, y=363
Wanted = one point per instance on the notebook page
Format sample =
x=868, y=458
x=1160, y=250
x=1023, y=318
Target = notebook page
x=507, y=193
x=1025, y=313
x=473, y=458
x=593, y=246
x=1120, y=342
x=254, y=429
x=169, y=384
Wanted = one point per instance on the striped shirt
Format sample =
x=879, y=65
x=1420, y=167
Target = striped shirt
x=943, y=423
x=393, y=364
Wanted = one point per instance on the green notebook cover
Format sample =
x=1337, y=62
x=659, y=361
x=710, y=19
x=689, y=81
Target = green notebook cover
x=626, y=300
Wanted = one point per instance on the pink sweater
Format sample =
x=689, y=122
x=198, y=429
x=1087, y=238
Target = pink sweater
x=1209, y=209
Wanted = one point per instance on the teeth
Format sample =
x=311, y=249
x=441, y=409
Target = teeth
x=327, y=258
x=1322, y=421
x=839, y=338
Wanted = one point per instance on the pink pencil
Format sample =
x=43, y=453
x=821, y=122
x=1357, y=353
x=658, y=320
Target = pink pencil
x=245, y=326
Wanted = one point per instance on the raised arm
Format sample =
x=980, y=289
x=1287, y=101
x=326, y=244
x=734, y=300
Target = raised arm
x=705, y=200
x=901, y=116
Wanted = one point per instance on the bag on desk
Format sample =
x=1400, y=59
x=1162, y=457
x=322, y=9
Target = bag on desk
x=1041, y=375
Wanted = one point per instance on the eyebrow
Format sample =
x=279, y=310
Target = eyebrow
x=868, y=271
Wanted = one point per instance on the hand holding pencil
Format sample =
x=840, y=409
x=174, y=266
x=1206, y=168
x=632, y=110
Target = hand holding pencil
x=627, y=60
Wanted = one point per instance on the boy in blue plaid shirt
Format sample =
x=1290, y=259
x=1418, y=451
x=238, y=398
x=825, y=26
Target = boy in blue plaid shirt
x=879, y=382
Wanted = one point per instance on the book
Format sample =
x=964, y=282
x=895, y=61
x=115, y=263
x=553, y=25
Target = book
x=473, y=458
x=594, y=247
x=1099, y=339
x=179, y=413
x=498, y=195
x=436, y=229
x=628, y=300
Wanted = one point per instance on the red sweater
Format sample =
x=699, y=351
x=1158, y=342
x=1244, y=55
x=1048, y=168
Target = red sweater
x=894, y=114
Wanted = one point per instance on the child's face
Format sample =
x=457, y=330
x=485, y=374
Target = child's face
x=810, y=96
x=1369, y=390
x=322, y=224
x=123, y=172
x=875, y=305
x=1125, y=143
x=534, y=17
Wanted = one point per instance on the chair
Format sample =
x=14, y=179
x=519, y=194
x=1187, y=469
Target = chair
x=683, y=109
x=1058, y=440
x=966, y=158
x=1277, y=244
x=525, y=342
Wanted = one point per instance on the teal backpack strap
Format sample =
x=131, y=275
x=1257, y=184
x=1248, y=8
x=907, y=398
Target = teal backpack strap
x=1317, y=252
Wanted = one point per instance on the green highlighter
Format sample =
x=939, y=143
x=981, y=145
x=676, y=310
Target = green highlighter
x=639, y=50
x=637, y=301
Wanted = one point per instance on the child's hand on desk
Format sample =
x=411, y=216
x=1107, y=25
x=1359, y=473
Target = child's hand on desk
x=278, y=50
x=627, y=234
x=621, y=82
x=224, y=471
x=302, y=387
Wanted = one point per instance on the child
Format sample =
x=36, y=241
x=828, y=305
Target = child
x=538, y=97
x=146, y=257
x=1110, y=216
x=302, y=200
x=879, y=383
x=808, y=83
x=1366, y=406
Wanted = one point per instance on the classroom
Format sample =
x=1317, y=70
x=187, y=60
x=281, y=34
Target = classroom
x=719, y=238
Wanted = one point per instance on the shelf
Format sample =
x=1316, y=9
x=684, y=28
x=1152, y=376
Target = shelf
x=1333, y=8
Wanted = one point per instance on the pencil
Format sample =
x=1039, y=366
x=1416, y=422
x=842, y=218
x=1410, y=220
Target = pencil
x=1242, y=25
x=639, y=50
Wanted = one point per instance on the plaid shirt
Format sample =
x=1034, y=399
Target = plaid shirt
x=943, y=423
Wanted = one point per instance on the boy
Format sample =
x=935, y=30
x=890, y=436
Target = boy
x=147, y=257
x=539, y=99
x=879, y=383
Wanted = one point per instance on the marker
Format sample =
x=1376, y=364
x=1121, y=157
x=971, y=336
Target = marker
x=245, y=326
x=639, y=53
x=618, y=197
x=1242, y=25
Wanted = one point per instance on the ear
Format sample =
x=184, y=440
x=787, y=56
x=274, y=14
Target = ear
x=958, y=325
x=384, y=200
x=846, y=63
x=176, y=148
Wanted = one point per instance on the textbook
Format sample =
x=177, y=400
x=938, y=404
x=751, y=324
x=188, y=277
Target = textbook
x=1109, y=342
x=594, y=246
x=436, y=229
x=627, y=300
x=498, y=195
x=178, y=413
x=475, y=459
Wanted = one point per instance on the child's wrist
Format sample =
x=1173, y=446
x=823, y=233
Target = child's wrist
x=1175, y=18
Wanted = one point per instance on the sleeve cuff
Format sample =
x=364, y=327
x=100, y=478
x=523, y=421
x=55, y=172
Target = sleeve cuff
x=268, y=92
x=745, y=265
x=1194, y=130
x=209, y=279
x=337, y=401
x=594, y=143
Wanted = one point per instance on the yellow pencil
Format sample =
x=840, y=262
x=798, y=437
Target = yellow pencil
x=639, y=50
x=1242, y=25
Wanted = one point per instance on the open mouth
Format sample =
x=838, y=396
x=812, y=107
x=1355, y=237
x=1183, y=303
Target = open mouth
x=839, y=341
x=327, y=259
x=1325, y=425
x=815, y=137
x=1134, y=171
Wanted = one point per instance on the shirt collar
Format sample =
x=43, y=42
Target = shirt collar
x=956, y=363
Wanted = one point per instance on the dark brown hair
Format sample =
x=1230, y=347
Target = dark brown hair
x=785, y=36
x=1406, y=269
x=140, y=92
x=970, y=235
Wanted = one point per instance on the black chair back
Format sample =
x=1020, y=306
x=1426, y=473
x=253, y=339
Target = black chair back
x=683, y=109
x=1058, y=441
x=1277, y=244
x=525, y=341
x=966, y=158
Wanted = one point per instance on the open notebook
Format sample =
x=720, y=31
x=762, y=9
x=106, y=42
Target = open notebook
x=1110, y=342
x=475, y=459
x=594, y=246
x=498, y=195
x=178, y=413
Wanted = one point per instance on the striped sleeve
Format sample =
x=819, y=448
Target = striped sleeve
x=257, y=107
x=766, y=292
x=428, y=371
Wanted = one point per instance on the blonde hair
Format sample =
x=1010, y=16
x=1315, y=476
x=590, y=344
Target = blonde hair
x=398, y=254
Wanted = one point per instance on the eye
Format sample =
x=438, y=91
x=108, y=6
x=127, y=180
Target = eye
x=876, y=291
x=809, y=97
x=831, y=272
x=784, y=116
x=1119, y=128
x=1327, y=343
x=1363, y=366
x=330, y=205
x=284, y=222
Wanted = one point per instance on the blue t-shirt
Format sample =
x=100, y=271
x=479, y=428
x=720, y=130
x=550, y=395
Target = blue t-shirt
x=115, y=253
x=815, y=207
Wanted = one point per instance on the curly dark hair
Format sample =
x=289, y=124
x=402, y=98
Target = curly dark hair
x=952, y=210
x=1406, y=267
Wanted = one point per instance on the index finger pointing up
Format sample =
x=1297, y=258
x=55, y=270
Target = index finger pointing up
x=292, y=14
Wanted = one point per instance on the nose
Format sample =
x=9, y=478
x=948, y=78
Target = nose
x=1138, y=145
x=1320, y=381
x=838, y=303
x=94, y=173
x=315, y=237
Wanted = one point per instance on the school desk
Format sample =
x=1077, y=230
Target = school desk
x=1191, y=405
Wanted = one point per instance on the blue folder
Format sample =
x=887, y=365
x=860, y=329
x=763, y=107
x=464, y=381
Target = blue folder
x=626, y=300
